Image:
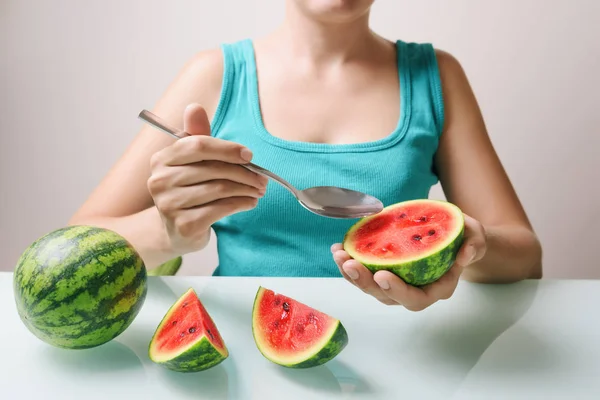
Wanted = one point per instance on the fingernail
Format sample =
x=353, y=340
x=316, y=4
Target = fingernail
x=352, y=273
x=246, y=154
x=262, y=192
x=385, y=285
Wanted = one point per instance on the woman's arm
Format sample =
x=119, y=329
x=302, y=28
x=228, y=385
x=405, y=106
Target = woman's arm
x=122, y=201
x=473, y=178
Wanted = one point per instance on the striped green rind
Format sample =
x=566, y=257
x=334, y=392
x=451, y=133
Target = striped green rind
x=168, y=268
x=428, y=268
x=334, y=346
x=79, y=287
x=201, y=356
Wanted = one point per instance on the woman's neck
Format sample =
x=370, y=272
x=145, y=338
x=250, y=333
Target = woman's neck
x=323, y=42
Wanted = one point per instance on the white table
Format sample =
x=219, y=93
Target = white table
x=532, y=340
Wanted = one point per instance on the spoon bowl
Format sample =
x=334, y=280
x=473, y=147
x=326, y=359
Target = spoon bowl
x=336, y=202
x=326, y=201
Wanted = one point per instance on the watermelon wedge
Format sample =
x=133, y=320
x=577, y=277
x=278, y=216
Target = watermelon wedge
x=292, y=334
x=187, y=339
x=417, y=240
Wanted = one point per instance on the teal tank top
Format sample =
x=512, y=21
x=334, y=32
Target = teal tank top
x=281, y=238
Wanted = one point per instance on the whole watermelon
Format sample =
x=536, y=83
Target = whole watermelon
x=79, y=287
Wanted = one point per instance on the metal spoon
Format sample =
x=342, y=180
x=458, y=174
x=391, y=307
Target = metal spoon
x=327, y=201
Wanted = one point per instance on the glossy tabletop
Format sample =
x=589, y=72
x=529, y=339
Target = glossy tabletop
x=531, y=340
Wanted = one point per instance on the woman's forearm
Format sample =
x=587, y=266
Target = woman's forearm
x=513, y=254
x=144, y=230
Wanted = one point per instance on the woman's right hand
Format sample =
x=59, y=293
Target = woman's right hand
x=197, y=180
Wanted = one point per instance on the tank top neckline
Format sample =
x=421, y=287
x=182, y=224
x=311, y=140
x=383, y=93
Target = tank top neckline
x=391, y=139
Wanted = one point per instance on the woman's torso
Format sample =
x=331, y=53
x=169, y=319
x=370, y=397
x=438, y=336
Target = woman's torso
x=281, y=238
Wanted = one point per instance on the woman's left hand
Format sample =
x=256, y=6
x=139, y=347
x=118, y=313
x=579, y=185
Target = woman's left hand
x=390, y=289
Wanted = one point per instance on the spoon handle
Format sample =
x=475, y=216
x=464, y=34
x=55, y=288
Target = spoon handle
x=160, y=124
x=260, y=170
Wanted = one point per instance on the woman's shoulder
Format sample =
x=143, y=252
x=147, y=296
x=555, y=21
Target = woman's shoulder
x=208, y=62
x=200, y=79
x=448, y=64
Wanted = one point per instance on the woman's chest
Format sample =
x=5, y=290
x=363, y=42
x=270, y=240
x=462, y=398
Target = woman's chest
x=338, y=112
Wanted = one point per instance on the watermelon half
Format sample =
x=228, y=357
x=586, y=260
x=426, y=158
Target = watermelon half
x=417, y=240
x=292, y=334
x=187, y=339
x=79, y=287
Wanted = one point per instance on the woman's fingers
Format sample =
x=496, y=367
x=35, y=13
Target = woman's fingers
x=191, y=174
x=418, y=298
x=474, y=246
x=192, y=149
x=340, y=257
x=362, y=278
x=195, y=120
x=180, y=198
x=192, y=223
x=411, y=297
x=219, y=209
x=357, y=274
x=337, y=247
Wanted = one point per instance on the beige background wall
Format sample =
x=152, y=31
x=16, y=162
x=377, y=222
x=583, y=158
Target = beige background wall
x=74, y=74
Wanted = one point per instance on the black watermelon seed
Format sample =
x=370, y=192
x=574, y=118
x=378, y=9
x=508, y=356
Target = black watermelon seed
x=286, y=307
x=431, y=232
x=423, y=219
x=210, y=334
x=192, y=330
x=417, y=237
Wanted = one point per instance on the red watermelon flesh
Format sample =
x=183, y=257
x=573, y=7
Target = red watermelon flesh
x=293, y=334
x=186, y=324
x=280, y=315
x=406, y=232
x=187, y=338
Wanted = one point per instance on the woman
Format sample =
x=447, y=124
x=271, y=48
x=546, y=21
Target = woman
x=321, y=101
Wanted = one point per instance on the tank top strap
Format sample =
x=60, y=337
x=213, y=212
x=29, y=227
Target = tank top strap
x=426, y=101
x=235, y=103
